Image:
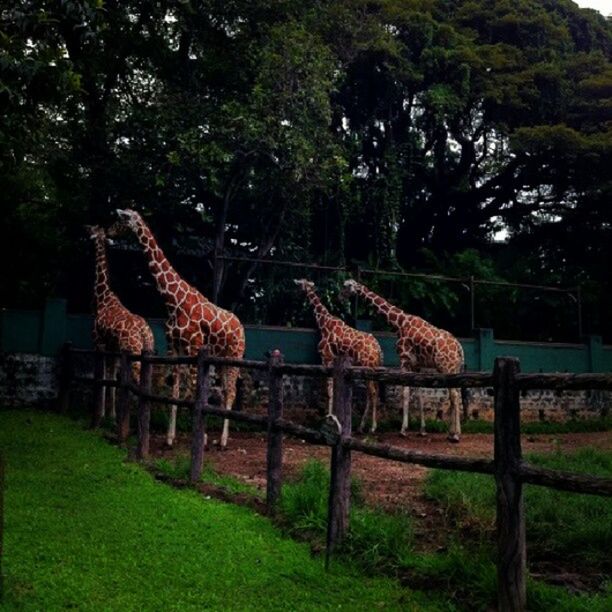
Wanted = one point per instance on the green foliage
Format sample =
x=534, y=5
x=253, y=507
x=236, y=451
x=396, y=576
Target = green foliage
x=375, y=132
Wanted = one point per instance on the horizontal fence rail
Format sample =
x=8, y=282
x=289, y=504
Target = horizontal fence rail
x=507, y=467
x=417, y=379
x=564, y=382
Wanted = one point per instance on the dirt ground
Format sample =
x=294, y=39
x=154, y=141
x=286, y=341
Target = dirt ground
x=392, y=485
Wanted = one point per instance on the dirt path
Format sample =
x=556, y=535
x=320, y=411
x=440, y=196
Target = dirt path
x=392, y=485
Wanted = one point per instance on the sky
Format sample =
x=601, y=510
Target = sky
x=603, y=6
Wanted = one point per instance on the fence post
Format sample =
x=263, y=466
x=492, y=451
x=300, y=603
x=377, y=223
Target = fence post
x=99, y=389
x=198, y=439
x=65, y=377
x=511, y=551
x=275, y=437
x=340, y=481
x=144, y=405
x=123, y=398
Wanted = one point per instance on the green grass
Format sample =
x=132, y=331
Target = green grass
x=465, y=571
x=85, y=529
x=559, y=525
x=179, y=467
x=543, y=427
x=480, y=426
x=377, y=540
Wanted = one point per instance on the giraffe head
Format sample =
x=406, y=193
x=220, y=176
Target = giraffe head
x=95, y=232
x=350, y=288
x=130, y=218
x=304, y=284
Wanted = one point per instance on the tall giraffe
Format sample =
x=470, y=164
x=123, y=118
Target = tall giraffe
x=419, y=345
x=337, y=338
x=193, y=321
x=115, y=327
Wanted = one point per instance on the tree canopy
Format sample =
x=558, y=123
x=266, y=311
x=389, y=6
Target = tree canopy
x=389, y=134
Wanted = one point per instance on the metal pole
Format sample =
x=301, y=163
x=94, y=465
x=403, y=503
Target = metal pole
x=579, y=306
x=472, y=304
x=356, y=300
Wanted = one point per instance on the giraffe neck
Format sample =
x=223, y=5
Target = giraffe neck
x=103, y=292
x=396, y=317
x=320, y=312
x=166, y=277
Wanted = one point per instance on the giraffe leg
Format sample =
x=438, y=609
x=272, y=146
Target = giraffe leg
x=405, y=405
x=454, y=430
x=176, y=383
x=422, y=431
x=230, y=378
x=373, y=394
x=113, y=367
x=330, y=396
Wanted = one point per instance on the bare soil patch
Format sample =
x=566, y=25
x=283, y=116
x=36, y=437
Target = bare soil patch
x=391, y=485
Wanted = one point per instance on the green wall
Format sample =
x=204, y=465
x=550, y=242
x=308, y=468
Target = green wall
x=20, y=331
x=45, y=332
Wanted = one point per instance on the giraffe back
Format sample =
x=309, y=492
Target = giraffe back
x=341, y=339
x=422, y=345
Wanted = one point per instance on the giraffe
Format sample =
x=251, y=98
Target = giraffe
x=419, y=345
x=193, y=321
x=338, y=338
x=115, y=327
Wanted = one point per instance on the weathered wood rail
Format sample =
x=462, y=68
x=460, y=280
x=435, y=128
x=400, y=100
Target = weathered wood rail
x=507, y=466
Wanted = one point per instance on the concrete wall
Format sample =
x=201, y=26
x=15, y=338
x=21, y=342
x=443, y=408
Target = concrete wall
x=30, y=340
x=44, y=333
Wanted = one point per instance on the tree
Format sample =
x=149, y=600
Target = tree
x=402, y=135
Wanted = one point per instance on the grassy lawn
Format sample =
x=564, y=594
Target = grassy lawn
x=570, y=530
x=560, y=525
x=86, y=530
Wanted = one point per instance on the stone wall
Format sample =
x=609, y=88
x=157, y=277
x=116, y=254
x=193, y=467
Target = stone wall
x=27, y=379
x=309, y=393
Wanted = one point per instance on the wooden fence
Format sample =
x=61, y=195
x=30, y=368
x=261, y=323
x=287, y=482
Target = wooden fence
x=507, y=467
